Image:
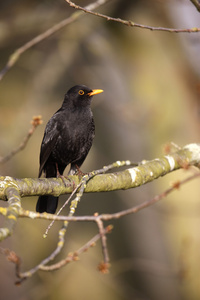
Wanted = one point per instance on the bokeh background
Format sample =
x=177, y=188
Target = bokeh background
x=151, y=97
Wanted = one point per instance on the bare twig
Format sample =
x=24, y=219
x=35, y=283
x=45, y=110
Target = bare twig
x=51, y=257
x=103, y=240
x=12, y=257
x=131, y=23
x=196, y=4
x=75, y=255
x=37, y=120
x=87, y=9
x=70, y=257
x=16, y=55
x=57, y=214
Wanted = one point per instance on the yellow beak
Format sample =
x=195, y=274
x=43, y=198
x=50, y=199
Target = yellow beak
x=95, y=92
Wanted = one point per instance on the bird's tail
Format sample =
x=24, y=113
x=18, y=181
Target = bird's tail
x=47, y=203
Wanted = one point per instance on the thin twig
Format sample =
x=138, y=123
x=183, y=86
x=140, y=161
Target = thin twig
x=196, y=4
x=73, y=257
x=17, y=53
x=131, y=23
x=103, y=240
x=70, y=257
x=45, y=261
x=58, y=213
x=37, y=120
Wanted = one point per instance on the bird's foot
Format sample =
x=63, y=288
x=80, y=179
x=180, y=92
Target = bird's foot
x=63, y=179
x=62, y=176
x=80, y=173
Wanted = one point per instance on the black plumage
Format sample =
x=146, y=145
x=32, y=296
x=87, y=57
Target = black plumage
x=67, y=139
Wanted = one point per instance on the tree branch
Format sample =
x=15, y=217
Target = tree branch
x=11, y=190
x=120, y=214
x=87, y=9
x=196, y=4
x=36, y=121
x=133, y=177
x=131, y=23
x=70, y=257
x=17, y=53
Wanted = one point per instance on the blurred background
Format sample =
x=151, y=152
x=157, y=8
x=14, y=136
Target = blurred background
x=151, y=97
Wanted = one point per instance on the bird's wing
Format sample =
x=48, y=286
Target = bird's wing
x=49, y=140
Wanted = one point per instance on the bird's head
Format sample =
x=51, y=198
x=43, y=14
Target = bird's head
x=80, y=95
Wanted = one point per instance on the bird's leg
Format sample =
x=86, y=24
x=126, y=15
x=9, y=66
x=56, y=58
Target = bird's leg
x=61, y=176
x=79, y=172
x=57, y=171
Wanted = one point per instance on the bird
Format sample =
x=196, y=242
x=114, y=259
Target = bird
x=68, y=137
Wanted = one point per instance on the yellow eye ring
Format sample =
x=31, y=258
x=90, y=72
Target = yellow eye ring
x=81, y=92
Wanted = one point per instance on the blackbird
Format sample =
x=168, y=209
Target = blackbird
x=67, y=139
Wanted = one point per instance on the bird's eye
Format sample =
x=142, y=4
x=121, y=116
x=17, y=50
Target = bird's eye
x=81, y=92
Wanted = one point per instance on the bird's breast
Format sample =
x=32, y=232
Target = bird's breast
x=75, y=140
